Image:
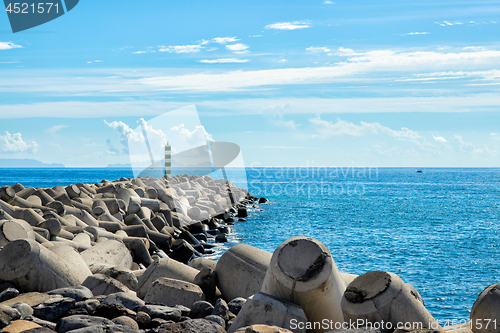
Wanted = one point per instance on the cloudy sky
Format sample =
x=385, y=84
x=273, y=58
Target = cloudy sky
x=293, y=83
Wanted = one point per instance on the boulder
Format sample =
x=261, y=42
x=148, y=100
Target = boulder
x=192, y=326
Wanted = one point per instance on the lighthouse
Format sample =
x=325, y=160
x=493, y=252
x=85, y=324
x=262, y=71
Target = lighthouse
x=168, y=160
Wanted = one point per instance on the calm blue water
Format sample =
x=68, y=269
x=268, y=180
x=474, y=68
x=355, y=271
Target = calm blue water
x=438, y=230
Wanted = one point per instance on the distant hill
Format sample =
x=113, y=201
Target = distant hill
x=27, y=163
x=119, y=165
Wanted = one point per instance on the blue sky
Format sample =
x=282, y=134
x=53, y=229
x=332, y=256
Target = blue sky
x=294, y=83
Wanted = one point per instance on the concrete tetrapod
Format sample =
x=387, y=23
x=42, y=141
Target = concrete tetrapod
x=110, y=252
x=265, y=309
x=383, y=301
x=303, y=272
x=485, y=317
x=32, y=267
x=164, y=267
x=241, y=270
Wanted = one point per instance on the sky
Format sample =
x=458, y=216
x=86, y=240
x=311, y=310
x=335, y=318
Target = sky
x=293, y=83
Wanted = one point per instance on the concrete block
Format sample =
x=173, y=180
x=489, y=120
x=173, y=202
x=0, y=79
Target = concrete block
x=302, y=271
x=110, y=252
x=164, y=267
x=171, y=292
x=485, y=314
x=32, y=267
x=381, y=296
x=268, y=310
x=241, y=271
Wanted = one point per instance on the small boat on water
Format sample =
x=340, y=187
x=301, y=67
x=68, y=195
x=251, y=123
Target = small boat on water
x=419, y=171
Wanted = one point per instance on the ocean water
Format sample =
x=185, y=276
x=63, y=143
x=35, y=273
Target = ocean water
x=438, y=230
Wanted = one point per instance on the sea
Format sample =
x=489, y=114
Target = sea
x=438, y=229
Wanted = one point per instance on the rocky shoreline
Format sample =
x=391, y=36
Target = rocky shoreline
x=130, y=255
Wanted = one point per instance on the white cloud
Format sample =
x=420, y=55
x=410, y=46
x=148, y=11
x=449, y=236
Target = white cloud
x=223, y=61
x=318, y=49
x=238, y=48
x=282, y=60
x=495, y=136
x=139, y=52
x=130, y=136
x=414, y=33
x=210, y=49
x=125, y=133
x=328, y=2
x=446, y=23
x=290, y=124
x=224, y=40
x=463, y=145
x=439, y=139
x=14, y=143
x=289, y=25
x=341, y=127
x=181, y=49
x=8, y=46
x=254, y=36
x=196, y=137
x=55, y=128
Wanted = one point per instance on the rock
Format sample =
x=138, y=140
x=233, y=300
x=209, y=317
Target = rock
x=32, y=299
x=24, y=309
x=206, y=280
x=39, y=330
x=101, y=284
x=263, y=201
x=201, y=309
x=242, y=211
x=77, y=311
x=32, y=267
x=262, y=329
x=127, y=300
x=192, y=326
x=89, y=305
x=217, y=319
x=236, y=304
x=78, y=293
x=221, y=238
x=221, y=309
x=161, y=311
x=125, y=321
x=106, y=329
x=75, y=322
x=54, y=308
x=265, y=309
x=143, y=319
x=44, y=323
x=110, y=252
x=8, y=294
x=164, y=267
x=171, y=292
x=112, y=311
x=241, y=271
x=485, y=310
x=8, y=315
x=20, y=326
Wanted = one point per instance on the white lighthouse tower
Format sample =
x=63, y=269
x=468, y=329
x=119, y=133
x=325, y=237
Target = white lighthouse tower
x=168, y=160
